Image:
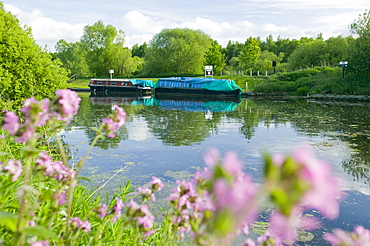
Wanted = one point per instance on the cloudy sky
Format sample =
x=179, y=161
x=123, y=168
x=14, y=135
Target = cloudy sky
x=235, y=20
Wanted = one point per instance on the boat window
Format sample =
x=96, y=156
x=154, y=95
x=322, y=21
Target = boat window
x=99, y=82
x=113, y=82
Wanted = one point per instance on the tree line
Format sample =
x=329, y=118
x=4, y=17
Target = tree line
x=187, y=51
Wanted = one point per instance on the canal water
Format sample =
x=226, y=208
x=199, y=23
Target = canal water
x=167, y=139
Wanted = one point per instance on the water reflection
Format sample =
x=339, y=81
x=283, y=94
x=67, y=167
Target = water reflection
x=167, y=138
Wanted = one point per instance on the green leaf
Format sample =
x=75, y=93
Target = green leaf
x=40, y=231
x=224, y=223
x=9, y=220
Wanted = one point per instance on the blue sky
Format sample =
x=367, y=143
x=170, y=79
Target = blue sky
x=235, y=20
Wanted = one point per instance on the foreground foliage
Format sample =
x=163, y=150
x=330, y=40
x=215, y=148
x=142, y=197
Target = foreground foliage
x=41, y=202
x=25, y=69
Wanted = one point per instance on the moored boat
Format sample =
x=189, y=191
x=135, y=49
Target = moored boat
x=109, y=86
x=197, y=87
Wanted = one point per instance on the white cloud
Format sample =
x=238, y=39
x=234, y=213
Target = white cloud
x=47, y=31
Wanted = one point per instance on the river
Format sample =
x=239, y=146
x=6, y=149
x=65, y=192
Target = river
x=167, y=139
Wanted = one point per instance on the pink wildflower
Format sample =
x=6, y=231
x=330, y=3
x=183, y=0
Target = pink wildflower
x=61, y=197
x=15, y=168
x=232, y=164
x=11, y=123
x=360, y=236
x=156, y=184
x=285, y=228
x=37, y=112
x=25, y=133
x=101, y=210
x=40, y=243
x=147, y=219
x=211, y=157
x=77, y=223
x=114, y=121
x=117, y=209
x=67, y=104
x=146, y=193
x=324, y=189
x=54, y=169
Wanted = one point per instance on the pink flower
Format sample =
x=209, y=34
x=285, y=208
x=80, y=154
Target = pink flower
x=25, y=133
x=360, y=236
x=41, y=243
x=324, y=191
x=232, y=164
x=146, y=193
x=37, y=112
x=211, y=157
x=156, y=184
x=61, y=197
x=67, y=104
x=54, y=169
x=11, y=123
x=147, y=219
x=14, y=167
x=77, y=223
x=285, y=227
x=117, y=209
x=114, y=121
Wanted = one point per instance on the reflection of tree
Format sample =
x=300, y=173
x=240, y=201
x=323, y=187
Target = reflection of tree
x=176, y=127
x=247, y=113
x=346, y=122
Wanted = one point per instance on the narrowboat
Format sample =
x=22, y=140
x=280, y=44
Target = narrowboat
x=113, y=86
x=197, y=87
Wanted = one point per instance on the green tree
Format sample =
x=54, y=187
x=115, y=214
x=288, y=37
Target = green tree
x=98, y=40
x=249, y=53
x=139, y=50
x=177, y=51
x=25, y=69
x=358, y=52
x=73, y=57
x=215, y=57
x=264, y=62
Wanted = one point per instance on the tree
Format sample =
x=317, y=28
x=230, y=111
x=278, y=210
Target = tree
x=98, y=41
x=215, y=57
x=177, y=51
x=25, y=69
x=249, y=53
x=73, y=57
x=264, y=62
x=358, y=52
x=361, y=26
x=139, y=51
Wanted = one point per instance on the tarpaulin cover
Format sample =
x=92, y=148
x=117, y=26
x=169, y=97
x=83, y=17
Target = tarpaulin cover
x=204, y=83
x=144, y=83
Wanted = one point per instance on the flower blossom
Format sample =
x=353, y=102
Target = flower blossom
x=101, y=210
x=117, y=209
x=157, y=184
x=114, y=121
x=77, y=223
x=324, y=191
x=146, y=193
x=11, y=122
x=359, y=237
x=13, y=167
x=40, y=243
x=54, y=169
x=67, y=104
x=141, y=215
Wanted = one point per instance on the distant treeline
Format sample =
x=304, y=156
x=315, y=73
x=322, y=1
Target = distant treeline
x=187, y=51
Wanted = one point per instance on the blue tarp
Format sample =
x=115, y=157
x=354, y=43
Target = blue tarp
x=204, y=83
x=144, y=83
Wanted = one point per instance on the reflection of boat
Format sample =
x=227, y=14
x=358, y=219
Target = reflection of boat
x=194, y=105
x=99, y=99
x=197, y=87
x=109, y=86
